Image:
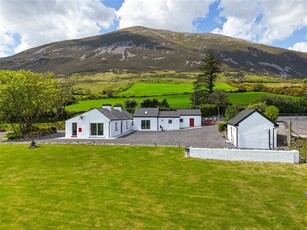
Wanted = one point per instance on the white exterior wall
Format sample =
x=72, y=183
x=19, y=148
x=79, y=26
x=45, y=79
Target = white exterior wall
x=253, y=132
x=163, y=121
x=246, y=155
x=92, y=116
x=232, y=134
x=186, y=121
x=115, y=132
x=153, y=123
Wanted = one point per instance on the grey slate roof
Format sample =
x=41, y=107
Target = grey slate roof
x=115, y=114
x=169, y=114
x=243, y=115
x=189, y=112
x=146, y=112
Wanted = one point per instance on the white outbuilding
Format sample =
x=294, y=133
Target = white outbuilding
x=102, y=122
x=152, y=119
x=251, y=129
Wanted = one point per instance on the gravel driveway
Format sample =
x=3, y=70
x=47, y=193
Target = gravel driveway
x=205, y=137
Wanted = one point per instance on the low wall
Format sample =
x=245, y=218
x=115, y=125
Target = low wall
x=246, y=155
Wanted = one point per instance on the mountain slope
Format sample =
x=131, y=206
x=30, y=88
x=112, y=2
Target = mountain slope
x=144, y=49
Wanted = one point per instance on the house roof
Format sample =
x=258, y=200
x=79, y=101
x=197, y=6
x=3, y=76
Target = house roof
x=146, y=112
x=169, y=114
x=244, y=114
x=115, y=114
x=189, y=112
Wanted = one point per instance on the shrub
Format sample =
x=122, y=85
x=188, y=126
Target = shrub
x=258, y=87
x=271, y=112
x=208, y=110
x=242, y=89
x=222, y=126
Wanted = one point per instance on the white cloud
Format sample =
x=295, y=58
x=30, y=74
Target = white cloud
x=299, y=46
x=39, y=22
x=177, y=15
x=264, y=21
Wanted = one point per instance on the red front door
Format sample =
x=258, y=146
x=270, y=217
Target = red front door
x=191, y=122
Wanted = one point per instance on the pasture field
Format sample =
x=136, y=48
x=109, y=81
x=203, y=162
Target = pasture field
x=120, y=187
x=247, y=97
x=175, y=101
x=147, y=89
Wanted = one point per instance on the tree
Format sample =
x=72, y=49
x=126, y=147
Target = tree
x=25, y=97
x=131, y=103
x=271, y=112
x=164, y=103
x=258, y=87
x=147, y=103
x=204, y=82
x=209, y=68
x=260, y=106
x=64, y=96
x=219, y=98
x=231, y=111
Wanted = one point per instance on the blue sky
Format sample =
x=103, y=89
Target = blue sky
x=29, y=23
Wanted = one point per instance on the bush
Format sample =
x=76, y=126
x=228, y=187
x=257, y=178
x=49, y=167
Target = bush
x=271, y=112
x=242, y=89
x=258, y=87
x=222, y=126
x=13, y=136
x=208, y=110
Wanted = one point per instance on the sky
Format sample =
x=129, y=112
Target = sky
x=29, y=23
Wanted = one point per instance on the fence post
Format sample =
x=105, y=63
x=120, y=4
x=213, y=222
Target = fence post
x=289, y=134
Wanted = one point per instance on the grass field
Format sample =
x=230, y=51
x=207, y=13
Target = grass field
x=247, y=97
x=118, y=187
x=146, y=89
x=176, y=101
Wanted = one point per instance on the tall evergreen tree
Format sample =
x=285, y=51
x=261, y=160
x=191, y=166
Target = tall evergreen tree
x=205, y=80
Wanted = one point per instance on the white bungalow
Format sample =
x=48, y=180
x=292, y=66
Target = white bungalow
x=99, y=123
x=252, y=129
x=151, y=119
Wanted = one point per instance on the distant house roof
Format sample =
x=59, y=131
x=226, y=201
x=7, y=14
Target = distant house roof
x=169, y=114
x=115, y=114
x=146, y=112
x=189, y=112
x=244, y=114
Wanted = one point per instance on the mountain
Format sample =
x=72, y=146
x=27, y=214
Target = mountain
x=142, y=49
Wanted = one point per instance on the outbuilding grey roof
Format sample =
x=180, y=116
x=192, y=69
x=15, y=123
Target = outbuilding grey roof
x=169, y=114
x=189, y=112
x=146, y=112
x=115, y=114
x=244, y=114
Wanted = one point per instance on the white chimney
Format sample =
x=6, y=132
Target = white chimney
x=119, y=108
x=107, y=106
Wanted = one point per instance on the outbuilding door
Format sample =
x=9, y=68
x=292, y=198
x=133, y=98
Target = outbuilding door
x=191, y=122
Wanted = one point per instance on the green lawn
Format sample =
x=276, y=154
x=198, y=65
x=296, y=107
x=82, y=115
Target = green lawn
x=120, y=187
x=150, y=89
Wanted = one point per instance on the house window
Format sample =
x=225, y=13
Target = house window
x=96, y=129
x=127, y=127
x=116, y=127
x=181, y=119
x=145, y=124
x=74, y=129
x=170, y=121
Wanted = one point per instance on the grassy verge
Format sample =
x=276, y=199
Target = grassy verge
x=86, y=187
